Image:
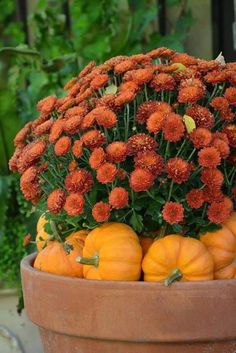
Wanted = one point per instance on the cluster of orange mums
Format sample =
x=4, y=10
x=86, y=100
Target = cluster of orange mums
x=120, y=129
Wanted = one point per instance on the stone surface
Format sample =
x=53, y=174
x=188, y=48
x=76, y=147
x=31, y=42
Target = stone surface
x=17, y=333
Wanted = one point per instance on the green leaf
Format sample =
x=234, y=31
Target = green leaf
x=136, y=221
x=189, y=123
x=177, y=228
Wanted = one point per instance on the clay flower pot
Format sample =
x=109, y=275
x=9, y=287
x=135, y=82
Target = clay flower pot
x=86, y=316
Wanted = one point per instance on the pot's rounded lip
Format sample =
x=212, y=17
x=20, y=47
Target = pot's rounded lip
x=26, y=264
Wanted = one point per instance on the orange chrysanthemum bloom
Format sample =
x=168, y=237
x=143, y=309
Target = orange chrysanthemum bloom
x=140, y=58
x=123, y=98
x=201, y=115
x=230, y=95
x=101, y=211
x=212, y=195
x=184, y=59
x=93, y=138
x=147, y=108
x=140, y=143
x=117, y=151
x=218, y=212
x=75, y=89
x=195, y=198
x=105, y=117
x=74, y=204
x=173, y=212
x=162, y=81
x=155, y=122
x=99, y=81
x=62, y=146
x=69, y=102
x=71, y=126
x=227, y=115
x=29, y=184
x=87, y=69
x=77, y=148
x=141, y=76
x=178, y=170
x=205, y=65
x=161, y=52
x=112, y=62
x=173, y=127
x=201, y=137
x=124, y=66
x=43, y=128
x=150, y=161
x=72, y=166
x=22, y=135
x=80, y=110
x=220, y=103
x=56, y=201
x=121, y=174
x=70, y=83
x=79, y=180
x=141, y=180
x=13, y=162
x=209, y=157
x=118, y=198
x=230, y=131
x=129, y=86
x=97, y=158
x=215, y=77
x=56, y=130
x=222, y=147
x=190, y=94
x=46, y=105
x=212, y=177
x=106, y=101
x=106, y=173
x=30, y=154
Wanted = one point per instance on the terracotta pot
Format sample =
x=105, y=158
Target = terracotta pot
x=86, y=316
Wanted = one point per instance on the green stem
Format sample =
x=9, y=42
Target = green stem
x=167, y=150
x=213, y=94
x=145, y=92
x=55, y=231
x=170, y=191
x=91, y=261
x=175, y=275
x=181, y=148
x=192, y=153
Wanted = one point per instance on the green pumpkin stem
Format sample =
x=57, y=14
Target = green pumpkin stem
x=175, y=275
x=92, y=261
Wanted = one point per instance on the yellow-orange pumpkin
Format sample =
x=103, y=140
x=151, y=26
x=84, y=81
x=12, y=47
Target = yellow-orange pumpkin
x=112, y=252
x=57, y=260
x=231, y=223
x=175, y=257
x=222, y=246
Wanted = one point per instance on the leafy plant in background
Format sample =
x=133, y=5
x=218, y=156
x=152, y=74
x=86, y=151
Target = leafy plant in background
x=62, y=37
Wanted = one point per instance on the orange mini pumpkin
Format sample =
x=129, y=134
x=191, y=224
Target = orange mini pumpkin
x=60, y=259
x=222, y=246
x=175, y=257
x=112, y=252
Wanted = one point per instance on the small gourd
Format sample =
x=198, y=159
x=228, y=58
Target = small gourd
x=175, y=257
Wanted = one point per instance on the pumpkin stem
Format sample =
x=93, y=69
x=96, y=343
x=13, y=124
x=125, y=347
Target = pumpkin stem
x=175, y=275
x=93, y=260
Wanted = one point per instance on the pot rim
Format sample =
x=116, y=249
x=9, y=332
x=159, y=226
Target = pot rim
x=27, y=264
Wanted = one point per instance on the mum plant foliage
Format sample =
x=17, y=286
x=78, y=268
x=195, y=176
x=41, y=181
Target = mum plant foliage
x=148, y=140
